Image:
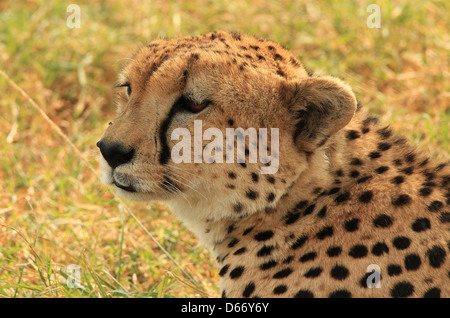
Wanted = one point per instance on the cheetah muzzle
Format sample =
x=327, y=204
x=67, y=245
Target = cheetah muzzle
x=352, y=210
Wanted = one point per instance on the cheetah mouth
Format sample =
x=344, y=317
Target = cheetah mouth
x=128, y=188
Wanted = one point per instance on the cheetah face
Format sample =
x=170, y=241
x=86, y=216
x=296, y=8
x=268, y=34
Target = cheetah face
x=217, y=81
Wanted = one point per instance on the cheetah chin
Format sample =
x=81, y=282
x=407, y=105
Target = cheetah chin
x=352, y=210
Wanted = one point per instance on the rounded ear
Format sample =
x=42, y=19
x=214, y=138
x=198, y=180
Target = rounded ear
x=320, y=107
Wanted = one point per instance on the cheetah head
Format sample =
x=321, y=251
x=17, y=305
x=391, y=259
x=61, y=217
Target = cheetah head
x=219, y=80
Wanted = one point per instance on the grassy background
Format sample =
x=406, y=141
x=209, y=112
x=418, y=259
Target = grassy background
x=54, y=211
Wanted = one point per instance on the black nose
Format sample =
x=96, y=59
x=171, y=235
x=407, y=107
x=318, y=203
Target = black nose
x=114, y=153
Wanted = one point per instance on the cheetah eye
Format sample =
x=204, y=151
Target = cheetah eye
x=192, y=106
x=128, y=88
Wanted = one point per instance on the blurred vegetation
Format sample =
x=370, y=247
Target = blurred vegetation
x=54, y=211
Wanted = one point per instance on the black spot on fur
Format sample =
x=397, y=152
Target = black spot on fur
x=394, y=270
x=342, y=198
x=358, y=251
x=383, y=146
x=304, y=294
x=401, y=200
x=356, y=162
x=231, y=175
x=424, y=162
x=385, y=132
x=445, y=182
x=299, y=242
x=281, y=73
x=291, y=217
x=308, y=257
x=288, y=259
x=237, y=272
x=277, y=57
x=301, y=204
x=410, y=157
x=313, y=272
x=252, y=195
x=381, y=169
x=351, y=225
x=412, y=262
x=370, y=120
x=421, y=224
x=382, y=221
x=323, y=141
x=264, y=251
x=267, y=265
x=283, y=273
x=401, y=242
x=236, y=36
x=249, y=289
x=402, y=289
x=263, y=236
x=233, y=243
x=333, y=191
x=339, y=272
x=248, y=230
x=432, y=293
x=238, y=208
x=270, y=179
x=398, y=180
x=309, y=209
x=363, y=179
x=374, y=155
x=224, y=270
x=379, y=249
x=280, y=289
x=354, y=173
x=435, y=206
x=334, y=251
x=408, y=170
x=445, y=217
x=424, y=192
x=366, y=197
x=231, y=228
x=341, y=293
x=353, y=134
x=322, y=212
x=327, y=231
x=240, y=251
x=429, y=176
x=436, y=256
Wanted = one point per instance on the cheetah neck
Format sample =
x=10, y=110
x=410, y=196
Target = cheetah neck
x=352, y=156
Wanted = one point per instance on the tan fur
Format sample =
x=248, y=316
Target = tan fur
x=269, y=233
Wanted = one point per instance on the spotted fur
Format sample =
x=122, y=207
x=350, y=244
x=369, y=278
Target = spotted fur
x=349, y=192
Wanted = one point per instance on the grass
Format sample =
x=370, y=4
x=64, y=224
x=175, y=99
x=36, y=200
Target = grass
x=54, y=211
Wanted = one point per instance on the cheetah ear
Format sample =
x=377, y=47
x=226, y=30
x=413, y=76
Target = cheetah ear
x=320, y=107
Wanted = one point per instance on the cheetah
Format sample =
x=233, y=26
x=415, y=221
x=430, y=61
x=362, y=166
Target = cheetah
x=352, y=211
